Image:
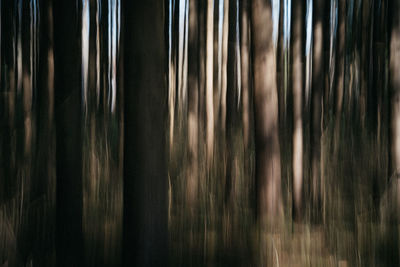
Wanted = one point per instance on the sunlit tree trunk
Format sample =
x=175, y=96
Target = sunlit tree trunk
x=67, y=59
x=268, y=169
x=224, y=65
x=317, y=89
x=394, y=83
x=145, y=171
x=171, y=73
x=209, y=81
x=298, y=56
x=193, y=104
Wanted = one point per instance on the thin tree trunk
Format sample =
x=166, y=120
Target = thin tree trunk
x=298, y=53
x=224, y=66
x=245, y=71
x=339, y=73
x=365, y=26
x=67, y=59
x=193, y=104
x=317, y=90
x=268, y=169
x=209, y=81
x=232, y=116
x=394, y=83
x=145, y=171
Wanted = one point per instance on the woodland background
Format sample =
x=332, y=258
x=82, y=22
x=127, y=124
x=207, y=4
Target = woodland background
x=199, y=133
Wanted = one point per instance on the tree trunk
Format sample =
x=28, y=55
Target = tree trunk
x=298, y=56
x=145, y=171
x=394, y=83
x=209, y=81
x=339, y=72
x=268, y=169
x=224, y=66
x=245, y=71
x=42, y=187
x=193, y=105
x=317, y=89
x=67, y=59
x=232, y=115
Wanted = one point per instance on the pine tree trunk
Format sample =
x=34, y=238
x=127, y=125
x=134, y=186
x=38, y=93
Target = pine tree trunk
x=298, y=66
x=268, y=169
x=145, y=171
x=68, y=112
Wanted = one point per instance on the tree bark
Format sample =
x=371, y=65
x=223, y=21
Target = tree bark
x=317, y=90
x=394, y=83
x=232, y=115
x=298, y=57
x=268, y=169
x=224, y=65
x=193, y=103
x=67, y=59
x=209, y=81
x=145, y=171
x=245, y=71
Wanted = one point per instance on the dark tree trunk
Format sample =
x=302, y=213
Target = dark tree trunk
x=145, y=171
x=42, y=186
x=232, y=114
x=316, y=108
x=67, y=60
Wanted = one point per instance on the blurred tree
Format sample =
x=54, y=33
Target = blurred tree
x=209, y=81
x=268, y=168
x=297, y=83
x=193, y=103
x=67, y=56
x=394, y=65
x=232, y=98
x=317, y=90
x=145, y=172
x=245, y=71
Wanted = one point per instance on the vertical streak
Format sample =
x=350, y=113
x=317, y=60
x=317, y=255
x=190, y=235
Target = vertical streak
x=286, y=45
x=85, y=50
x=32, y=47
x=297, y=86
x=109, y=40
x=1, y=41
x=181, y=38
x=238, y=55
x=171, y=85
x=220, y=34
x=332, y=43
x=245, y=73
x=185, y=57
x=19, y=48
x=98, y=18
x=275, y=20
x=224, y=64
x=114, y=56
x=209, y=79
x=309, y=36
